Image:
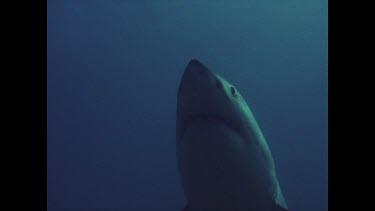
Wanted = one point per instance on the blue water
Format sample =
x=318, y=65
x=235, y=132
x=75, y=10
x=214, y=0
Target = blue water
x=113, y=71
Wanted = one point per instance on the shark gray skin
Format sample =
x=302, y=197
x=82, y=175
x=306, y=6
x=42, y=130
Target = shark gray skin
x=223, y=159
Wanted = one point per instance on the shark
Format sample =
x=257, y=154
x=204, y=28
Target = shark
x=223, y=158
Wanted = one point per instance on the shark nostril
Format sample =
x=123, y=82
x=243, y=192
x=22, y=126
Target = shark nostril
x=218, y=84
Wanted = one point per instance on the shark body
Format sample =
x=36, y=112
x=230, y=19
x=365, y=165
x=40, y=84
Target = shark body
x=224, y=161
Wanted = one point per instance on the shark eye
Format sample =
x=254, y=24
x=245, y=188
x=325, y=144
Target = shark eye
x=233, y=91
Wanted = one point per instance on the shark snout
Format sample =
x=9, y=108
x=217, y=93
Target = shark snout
x=195, y=77
x=197, y=67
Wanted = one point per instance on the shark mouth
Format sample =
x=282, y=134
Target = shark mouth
x=194, y=119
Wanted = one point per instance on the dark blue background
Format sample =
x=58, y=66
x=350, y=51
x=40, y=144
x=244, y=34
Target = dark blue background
x=113, y=71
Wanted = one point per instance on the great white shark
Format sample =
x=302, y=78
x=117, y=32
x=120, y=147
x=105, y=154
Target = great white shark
x=223, y=158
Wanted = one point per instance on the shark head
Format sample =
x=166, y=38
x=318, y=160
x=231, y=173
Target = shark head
x=203, y=94
x=222, y=154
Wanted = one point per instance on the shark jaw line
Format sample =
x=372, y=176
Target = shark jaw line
x=193, y=119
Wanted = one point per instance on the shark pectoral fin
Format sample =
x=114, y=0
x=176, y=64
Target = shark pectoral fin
x=186, y=208
x=280, y=203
